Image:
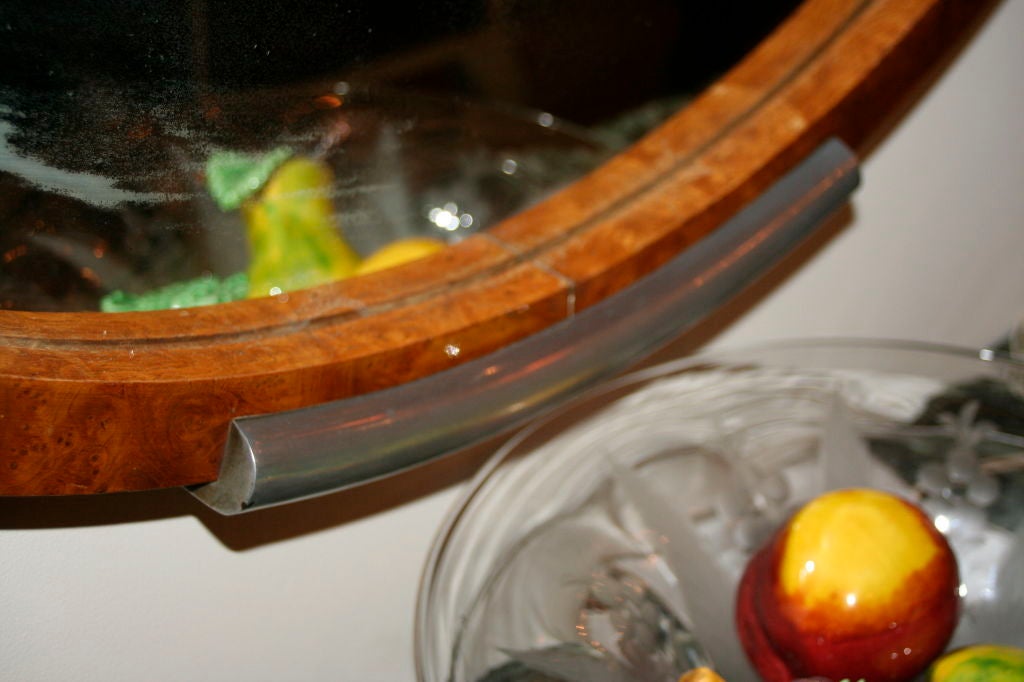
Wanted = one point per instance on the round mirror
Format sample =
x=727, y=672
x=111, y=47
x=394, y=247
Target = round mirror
x=168, y=155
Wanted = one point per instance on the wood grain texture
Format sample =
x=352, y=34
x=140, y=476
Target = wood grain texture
x=94, y=402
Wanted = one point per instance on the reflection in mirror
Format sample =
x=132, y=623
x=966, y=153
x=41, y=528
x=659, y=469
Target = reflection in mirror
x=165, y=154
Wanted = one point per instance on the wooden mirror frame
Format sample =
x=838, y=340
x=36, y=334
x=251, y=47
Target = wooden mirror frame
x=96, y=402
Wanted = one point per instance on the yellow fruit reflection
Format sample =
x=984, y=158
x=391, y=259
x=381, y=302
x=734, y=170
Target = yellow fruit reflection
x=399, y=252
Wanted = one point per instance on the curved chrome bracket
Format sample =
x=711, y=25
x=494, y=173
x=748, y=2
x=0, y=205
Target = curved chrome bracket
x=277, y=458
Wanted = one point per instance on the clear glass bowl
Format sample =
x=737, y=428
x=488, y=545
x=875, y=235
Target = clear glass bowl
x=552, y=566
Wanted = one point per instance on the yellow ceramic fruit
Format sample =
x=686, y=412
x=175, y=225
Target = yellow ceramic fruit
x=398, y=252
x=701, y=675
x=853, y=550
x=980, y=663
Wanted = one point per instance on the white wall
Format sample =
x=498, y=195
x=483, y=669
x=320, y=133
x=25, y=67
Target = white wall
x=936, y=248
x=153, y=587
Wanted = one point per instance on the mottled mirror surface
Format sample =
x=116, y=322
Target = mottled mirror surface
x=165, y=154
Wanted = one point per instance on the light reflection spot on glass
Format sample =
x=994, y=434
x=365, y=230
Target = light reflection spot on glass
x=509, y=166
x=89, y=275
x=545, y=119
x=327, y=102
x=15, y=253
x=274, y=291
x=444, y=218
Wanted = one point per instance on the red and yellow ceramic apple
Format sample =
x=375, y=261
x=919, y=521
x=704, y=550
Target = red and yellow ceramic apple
x=858, y=584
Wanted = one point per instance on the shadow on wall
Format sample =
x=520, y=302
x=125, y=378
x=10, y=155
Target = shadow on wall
x=253, y=529
x=267, y=526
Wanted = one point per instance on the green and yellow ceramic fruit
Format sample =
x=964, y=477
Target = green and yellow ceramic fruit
x=292, y=233
x=980, y=663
